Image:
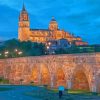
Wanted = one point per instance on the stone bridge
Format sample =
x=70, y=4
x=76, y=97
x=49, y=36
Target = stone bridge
x=74, y=71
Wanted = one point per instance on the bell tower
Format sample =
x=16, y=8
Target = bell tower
x=24, y=25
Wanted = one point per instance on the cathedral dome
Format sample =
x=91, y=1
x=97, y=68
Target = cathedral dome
x=53, y=19
x=53, y=24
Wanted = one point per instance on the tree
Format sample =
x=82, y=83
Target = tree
x=27, y=48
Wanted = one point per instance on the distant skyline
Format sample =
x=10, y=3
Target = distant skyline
x=81, y=17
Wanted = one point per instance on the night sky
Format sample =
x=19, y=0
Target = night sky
x=81, y=17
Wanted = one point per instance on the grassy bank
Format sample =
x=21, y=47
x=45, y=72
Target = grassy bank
x=52, y=94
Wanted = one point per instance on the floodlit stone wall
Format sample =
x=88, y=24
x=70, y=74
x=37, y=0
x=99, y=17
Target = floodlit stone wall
x=74, y=71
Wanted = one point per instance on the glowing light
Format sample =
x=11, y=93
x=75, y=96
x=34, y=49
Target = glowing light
x=16, y=50
x=49, y=43
x=20, y=53
x=47, y=47
x=6, y=55
x=6, y=52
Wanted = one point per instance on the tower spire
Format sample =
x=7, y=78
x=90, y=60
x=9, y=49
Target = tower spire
x=24, y=14
x=23, y=9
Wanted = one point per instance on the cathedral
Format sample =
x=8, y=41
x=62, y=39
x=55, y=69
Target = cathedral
x=43, y=35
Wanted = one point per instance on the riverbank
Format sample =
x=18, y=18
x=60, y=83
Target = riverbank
x=19, y=92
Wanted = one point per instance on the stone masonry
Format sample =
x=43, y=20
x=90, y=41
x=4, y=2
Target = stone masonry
x=74, y=71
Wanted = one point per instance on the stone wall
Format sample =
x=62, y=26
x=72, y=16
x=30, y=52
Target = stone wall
x=74, y=71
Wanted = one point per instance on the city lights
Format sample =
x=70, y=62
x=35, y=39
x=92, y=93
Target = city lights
x=50, y=63
x=13, y=53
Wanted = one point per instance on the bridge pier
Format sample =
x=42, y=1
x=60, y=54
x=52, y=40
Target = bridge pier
x=93, y=89
x=39, y=77
x=52, y=81
x=93, y=84
x=69, y=84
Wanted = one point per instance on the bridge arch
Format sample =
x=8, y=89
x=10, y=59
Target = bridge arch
x=80, y=80
x=45, y=75
x=60, y=77
x=35, y=74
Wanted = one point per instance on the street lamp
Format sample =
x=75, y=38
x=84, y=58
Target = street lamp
x=6, y=55
x=47, y=47
x=16, y=50
x=6, y=52
x=49, y=43
x=20, y=52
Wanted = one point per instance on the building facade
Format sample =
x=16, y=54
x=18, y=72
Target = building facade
x=52, y=46
x=43, y=35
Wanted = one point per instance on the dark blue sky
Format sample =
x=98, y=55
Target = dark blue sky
x=81, y=17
